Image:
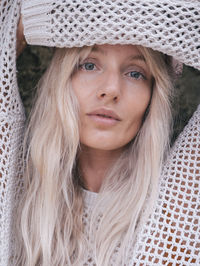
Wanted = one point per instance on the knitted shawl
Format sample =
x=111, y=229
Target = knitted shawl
x=171, y=235
x=11, y=126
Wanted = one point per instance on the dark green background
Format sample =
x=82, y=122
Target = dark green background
x=32, y=63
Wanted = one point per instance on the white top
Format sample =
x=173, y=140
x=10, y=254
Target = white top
x=171, y=236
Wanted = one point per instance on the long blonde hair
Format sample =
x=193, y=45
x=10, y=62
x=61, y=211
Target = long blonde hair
x=50, y=223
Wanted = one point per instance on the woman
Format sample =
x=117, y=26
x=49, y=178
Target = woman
x=101, y=123
x=92, y=104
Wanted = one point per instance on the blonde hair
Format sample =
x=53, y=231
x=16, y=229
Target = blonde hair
x=50, y=221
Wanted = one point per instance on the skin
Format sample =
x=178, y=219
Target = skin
x=21, y=43
x=116, y=78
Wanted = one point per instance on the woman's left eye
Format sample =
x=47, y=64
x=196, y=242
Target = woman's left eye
x=88, y=66
x=136, y=75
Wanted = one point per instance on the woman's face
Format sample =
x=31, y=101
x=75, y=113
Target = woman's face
x=113, y=88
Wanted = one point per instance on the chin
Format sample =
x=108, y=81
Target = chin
x=104, y=145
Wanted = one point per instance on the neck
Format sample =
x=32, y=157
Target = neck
x=94, y=165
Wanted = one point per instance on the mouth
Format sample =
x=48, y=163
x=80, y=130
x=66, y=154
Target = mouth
x=105, y=113
x=104, y=117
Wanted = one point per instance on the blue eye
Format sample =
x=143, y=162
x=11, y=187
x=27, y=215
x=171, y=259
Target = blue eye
x=136, y=75
x=88, y=66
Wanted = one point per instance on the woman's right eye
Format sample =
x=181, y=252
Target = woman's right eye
x=88, y=66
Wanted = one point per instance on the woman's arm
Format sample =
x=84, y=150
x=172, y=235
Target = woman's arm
x=21, y=42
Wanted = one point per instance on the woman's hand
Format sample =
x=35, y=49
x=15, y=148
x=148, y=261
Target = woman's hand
x=21, y=42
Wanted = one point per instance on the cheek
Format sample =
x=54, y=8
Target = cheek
x=136, y=109
x=137, y=105
x=83, y=89
x=76, y=86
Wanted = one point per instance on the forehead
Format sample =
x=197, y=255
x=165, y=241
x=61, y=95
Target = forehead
x=126, y=51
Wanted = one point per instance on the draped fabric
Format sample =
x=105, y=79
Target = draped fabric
x=169, y=26
x=11, y=127
x=171, y=236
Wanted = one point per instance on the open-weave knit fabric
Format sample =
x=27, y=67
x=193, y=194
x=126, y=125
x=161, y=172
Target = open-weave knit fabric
x=169, y=26
x=11, y=126
x=171, y=235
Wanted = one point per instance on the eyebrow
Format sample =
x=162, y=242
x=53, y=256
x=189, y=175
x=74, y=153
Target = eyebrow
x=98, y=49
x=138, y=57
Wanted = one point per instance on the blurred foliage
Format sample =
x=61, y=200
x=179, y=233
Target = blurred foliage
x=32, y=63
x=187, y=98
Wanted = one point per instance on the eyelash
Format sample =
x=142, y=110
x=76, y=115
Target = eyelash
x=141, y=75
x=82, y=66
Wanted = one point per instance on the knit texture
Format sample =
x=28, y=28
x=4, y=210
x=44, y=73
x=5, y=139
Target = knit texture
x=11, y=126
x=169, y=26
x=171, y=235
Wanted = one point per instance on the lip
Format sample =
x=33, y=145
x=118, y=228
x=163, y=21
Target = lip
x=107, y=113
x=104, y=116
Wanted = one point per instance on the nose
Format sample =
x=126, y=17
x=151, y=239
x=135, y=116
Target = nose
x=110, y=87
